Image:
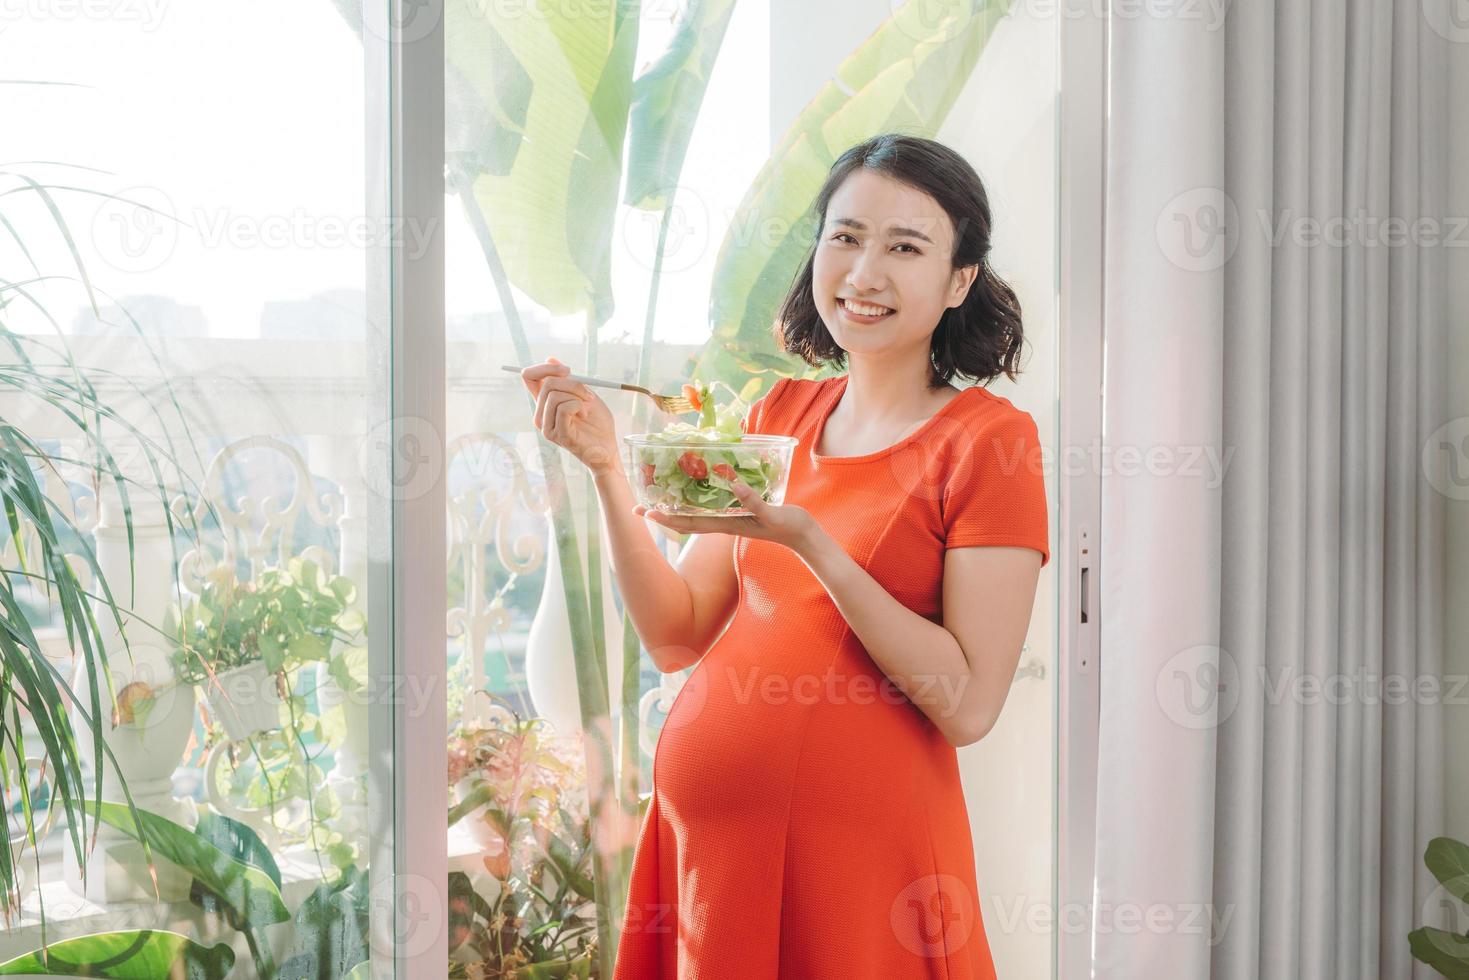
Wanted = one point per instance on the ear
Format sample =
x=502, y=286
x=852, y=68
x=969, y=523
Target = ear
x=960, y=282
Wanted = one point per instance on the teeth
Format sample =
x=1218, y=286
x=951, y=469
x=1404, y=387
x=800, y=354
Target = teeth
x=864, y=309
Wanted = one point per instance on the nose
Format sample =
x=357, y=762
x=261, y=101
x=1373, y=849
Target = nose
x=866, y=274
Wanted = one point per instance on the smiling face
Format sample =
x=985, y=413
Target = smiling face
x=886, y=250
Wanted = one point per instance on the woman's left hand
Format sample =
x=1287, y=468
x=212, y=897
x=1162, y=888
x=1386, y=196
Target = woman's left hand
x=784, y=524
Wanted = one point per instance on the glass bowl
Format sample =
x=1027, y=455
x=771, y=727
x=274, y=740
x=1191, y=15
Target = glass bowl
x=690, y=476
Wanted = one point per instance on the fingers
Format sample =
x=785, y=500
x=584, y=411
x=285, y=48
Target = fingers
x=536, y=373
x=549, y=418
x=565, y=409
x=554, y=391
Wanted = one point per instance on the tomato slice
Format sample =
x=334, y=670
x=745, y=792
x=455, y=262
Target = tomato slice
x=725, y=470
x=647, y=474
x=692, y=394
x=694, y=465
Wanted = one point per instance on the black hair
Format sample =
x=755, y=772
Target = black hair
x=980, y=338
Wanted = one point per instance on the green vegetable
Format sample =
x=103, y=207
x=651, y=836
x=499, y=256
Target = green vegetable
x=685, y=474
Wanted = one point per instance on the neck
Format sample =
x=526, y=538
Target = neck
x=881, y=386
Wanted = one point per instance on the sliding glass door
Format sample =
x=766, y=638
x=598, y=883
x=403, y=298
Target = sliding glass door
x=196, y=387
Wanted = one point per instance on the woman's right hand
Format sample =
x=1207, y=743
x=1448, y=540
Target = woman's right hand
x=570, y=414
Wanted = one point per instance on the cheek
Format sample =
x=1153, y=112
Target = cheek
x=825, y=269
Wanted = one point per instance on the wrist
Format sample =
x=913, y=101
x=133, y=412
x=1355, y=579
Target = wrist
x=606, y=472
x=603, y=465
x=812, y=546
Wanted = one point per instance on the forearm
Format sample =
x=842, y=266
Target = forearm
x=655, y=595
x=920, y=656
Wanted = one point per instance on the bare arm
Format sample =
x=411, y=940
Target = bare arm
x=677, y=610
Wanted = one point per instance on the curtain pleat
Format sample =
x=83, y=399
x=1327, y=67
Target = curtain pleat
x=1320, y=365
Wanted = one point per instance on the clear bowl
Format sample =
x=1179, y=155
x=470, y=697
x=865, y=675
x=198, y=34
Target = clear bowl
x=683, y=476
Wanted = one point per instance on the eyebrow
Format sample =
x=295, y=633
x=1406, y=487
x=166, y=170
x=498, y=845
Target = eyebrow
x=896, y=231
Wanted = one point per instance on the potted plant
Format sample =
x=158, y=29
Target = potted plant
x=243, y=643
x=520, y=791
x=238, y=640
x=62, y=572
x=1446, y=950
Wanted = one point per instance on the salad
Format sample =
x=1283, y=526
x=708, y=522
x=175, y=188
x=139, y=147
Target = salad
x=691, y=466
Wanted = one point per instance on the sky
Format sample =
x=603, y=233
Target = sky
x=247, y=123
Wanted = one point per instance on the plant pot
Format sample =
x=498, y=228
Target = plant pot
x=245, y=700
x=550, y=664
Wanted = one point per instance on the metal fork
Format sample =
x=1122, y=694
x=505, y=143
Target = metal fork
x=672, y=404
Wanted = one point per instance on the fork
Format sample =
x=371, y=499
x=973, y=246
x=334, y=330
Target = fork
x=672, y=404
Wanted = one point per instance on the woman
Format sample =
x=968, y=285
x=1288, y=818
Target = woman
x=807, y=819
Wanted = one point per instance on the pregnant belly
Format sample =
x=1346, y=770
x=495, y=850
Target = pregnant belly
x=744, y=727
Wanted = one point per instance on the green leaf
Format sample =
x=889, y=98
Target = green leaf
x=666, y=101
x=905, y=77
x=474, y=799
x=308, y=647
x=344, y=589
x=240, y=842
x=551, y=214
x=331, y=930
x=131, y=954
x=1446, y=952
x=349, y=669
x=272, y=653
x=253, y=899
x=568, y=863
x=1448, y=860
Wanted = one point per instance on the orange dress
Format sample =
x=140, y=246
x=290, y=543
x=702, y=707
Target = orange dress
x=807, y=820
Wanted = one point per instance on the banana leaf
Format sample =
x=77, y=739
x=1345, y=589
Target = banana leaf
x=560, y=87
x=905, y=77
x=666, y=101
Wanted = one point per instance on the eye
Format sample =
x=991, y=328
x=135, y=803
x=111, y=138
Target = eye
x=908, y=247
x=840, y=235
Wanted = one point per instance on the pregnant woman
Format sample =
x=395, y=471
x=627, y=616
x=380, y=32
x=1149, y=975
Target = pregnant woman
x=807, y=820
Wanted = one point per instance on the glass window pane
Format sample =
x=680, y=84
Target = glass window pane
x=196, y=338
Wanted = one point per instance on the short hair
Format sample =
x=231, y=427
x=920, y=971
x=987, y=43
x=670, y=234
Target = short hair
x=981, y=338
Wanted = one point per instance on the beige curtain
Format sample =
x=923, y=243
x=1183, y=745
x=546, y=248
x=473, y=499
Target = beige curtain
x=1264, y=797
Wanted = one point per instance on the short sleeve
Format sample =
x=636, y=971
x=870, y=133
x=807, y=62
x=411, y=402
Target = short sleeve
x=996, y=490
x=759, y=412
